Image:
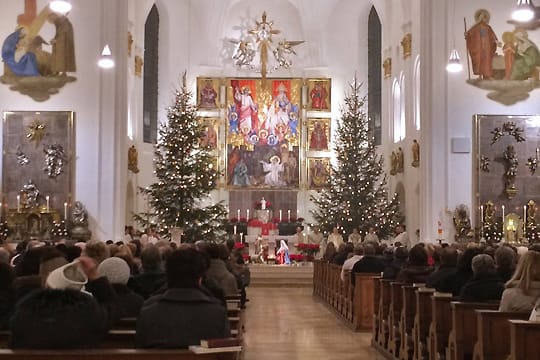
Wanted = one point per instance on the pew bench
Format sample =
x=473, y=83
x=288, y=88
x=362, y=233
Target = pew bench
x=114, y=354
x=441, y=324
x=524, y=340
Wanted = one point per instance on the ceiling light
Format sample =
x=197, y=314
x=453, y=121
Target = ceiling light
x=60, y=6
x=454, y=62
x=106, y=61
x=524, y=11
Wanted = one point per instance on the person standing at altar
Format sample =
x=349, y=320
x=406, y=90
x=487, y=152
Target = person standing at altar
x=402, y=236
x=317, y=237
x=300, y=237
x=354, y=238
x=335, y=237
x=282, y=253
x=371, y=236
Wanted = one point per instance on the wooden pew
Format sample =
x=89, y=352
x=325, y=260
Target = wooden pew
x=113, y=354
x=441, y=324
x=363, y=301
x=376, y=304
x=493, y=339
x=394, y=316
x=406, y=321
x=384, y=306
x=348, y=306
x=422, y=320
x=462, y=337
x=524, y=340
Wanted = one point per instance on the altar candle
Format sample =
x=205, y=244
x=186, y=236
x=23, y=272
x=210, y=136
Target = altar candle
x=1, y=211
x=242, y=238
x=297, y=214
x=524, y=220
x=234, y=229
x=280, y=215
x=247, y=214
x=289, y=215
x=65, y=211
x=503, y=213
x=18, y=203
x=47, y=198
x=238, y=213
x=481, y=221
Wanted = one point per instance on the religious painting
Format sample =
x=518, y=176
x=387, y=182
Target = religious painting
x=263, y=166
x=210, y=134
x=263, y=132
x=38, y=159
x=208, y=93
x=318, y=173
x=319, y=91
x=318, y=134
x=39, y=55
x=511, y=74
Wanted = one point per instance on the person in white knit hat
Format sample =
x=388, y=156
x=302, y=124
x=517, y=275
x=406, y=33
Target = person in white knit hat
x=116, y=270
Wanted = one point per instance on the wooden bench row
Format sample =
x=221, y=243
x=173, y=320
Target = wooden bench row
x=414, y=322
x=353, y=303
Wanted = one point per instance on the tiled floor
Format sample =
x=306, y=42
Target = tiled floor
x=288, y=323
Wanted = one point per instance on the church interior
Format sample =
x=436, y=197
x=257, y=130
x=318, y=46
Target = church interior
x=443, y=159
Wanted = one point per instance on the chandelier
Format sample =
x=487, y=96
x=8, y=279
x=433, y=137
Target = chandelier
x=258, y=45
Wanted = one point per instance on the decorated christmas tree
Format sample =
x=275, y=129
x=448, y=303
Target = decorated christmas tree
x=185, y=175
x=357, y=194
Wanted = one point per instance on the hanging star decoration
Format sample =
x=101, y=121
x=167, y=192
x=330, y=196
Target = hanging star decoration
x=261, y=41
x=36, y=131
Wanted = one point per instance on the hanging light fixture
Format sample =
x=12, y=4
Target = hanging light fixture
x=454, y=62
x=106, y=61
x=524, y=12
x=60, y=6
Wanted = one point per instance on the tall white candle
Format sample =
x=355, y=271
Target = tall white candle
x=247, y=214
x=280, y=215
x=18, y=203
x=47, y=198
x=481, y=221
x=242, y=238
x=65, y=211
x=238, y=213
x=503, y=213
x=234, y=229
x=297, y=214
x=524, y=220
x=289, y=214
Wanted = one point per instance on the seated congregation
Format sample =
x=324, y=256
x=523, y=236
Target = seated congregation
x=444, y=301
x=98, y=296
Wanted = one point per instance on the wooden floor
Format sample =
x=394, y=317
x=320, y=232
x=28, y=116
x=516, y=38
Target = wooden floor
x=288, y=323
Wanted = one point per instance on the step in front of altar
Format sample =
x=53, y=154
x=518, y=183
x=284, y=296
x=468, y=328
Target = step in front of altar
x=281, y=276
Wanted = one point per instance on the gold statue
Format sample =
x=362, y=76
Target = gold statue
x=415, y=154
x=133, y=159
x=489, y=214
x=393, y=163
x=531, y=213
x=400, y=160
x=387, y=66
x=406, y=44
x=138, y=65
x=130, y=43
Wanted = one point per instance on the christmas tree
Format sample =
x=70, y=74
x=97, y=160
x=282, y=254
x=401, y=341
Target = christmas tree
x=185, y=175
x=357, y=195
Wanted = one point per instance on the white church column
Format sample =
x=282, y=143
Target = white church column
x=111, y=118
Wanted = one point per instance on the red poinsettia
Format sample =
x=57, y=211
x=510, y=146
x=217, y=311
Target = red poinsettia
x=296, y=257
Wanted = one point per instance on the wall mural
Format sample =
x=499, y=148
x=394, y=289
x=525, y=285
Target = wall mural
x=34, y=66
x=505, y=65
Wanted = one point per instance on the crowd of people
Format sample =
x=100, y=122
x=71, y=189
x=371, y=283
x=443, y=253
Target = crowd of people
x=69, y=295
x=472, y=272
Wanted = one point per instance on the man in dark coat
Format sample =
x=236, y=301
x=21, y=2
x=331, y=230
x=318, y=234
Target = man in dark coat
x=441, y=279
x=184, y=314
x=485, y=285
x=370, y=263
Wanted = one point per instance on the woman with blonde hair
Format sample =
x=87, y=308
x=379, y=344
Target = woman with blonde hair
x=523, y=289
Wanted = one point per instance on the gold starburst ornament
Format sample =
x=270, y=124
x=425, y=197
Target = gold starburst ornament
x=36, y=132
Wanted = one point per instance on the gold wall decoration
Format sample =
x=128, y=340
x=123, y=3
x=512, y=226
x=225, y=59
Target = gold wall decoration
x=387, y=67
x=138, y=65
x=36, y=131
x=406, y=45
x=318, y=131
x=208, y=93
x=415, y=153
x=318, y=172
x=319, y=94
x=133, y=159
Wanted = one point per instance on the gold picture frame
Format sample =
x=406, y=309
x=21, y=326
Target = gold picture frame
x=318, y=134
x=208, y=93
x=319, y=93
x=210, y=137
x=318, y=172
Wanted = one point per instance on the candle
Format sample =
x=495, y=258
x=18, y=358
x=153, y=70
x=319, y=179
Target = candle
x=481, y=221
x=238, y=213
x=280, y=215
x=247, y=214
x=65, y=211
x=1, y=211
x=524, y=220
x=289, y=214
x=297, y=214
x=234, y=229
x=18, y=203
x=242, y=238
x=47, y=198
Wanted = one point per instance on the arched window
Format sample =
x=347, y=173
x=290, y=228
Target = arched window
x=396, y=110
x=150, y=85
x=416, y=92
x=374, y=74
x=402, y=111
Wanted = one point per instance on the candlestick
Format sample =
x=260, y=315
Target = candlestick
x=524, y=220
x=280, y=215
x=18, y=203
x=247, y=214
x=234, y=229
x=289, y=215
x=297, y=214
x=47, y=198
x=238, y=213
x=503, y=213
x=242, y=238
x=481, y=221
x=65, y=211
x=1, y=211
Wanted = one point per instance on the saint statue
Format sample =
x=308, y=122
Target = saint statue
x=133, y=159
x=415, y=153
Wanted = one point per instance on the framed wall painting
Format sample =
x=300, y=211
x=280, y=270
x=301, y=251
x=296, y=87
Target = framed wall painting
x=210, y=136
x=318, y=173
x=208, y=93
x=318, y=95
x=318, y=134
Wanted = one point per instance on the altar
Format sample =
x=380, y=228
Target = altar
x=272, y=241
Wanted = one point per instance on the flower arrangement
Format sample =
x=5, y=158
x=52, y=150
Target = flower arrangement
x=234, y=220
x=255, y=223
x=296, y=257
x=309, y=250
x=239, y=245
